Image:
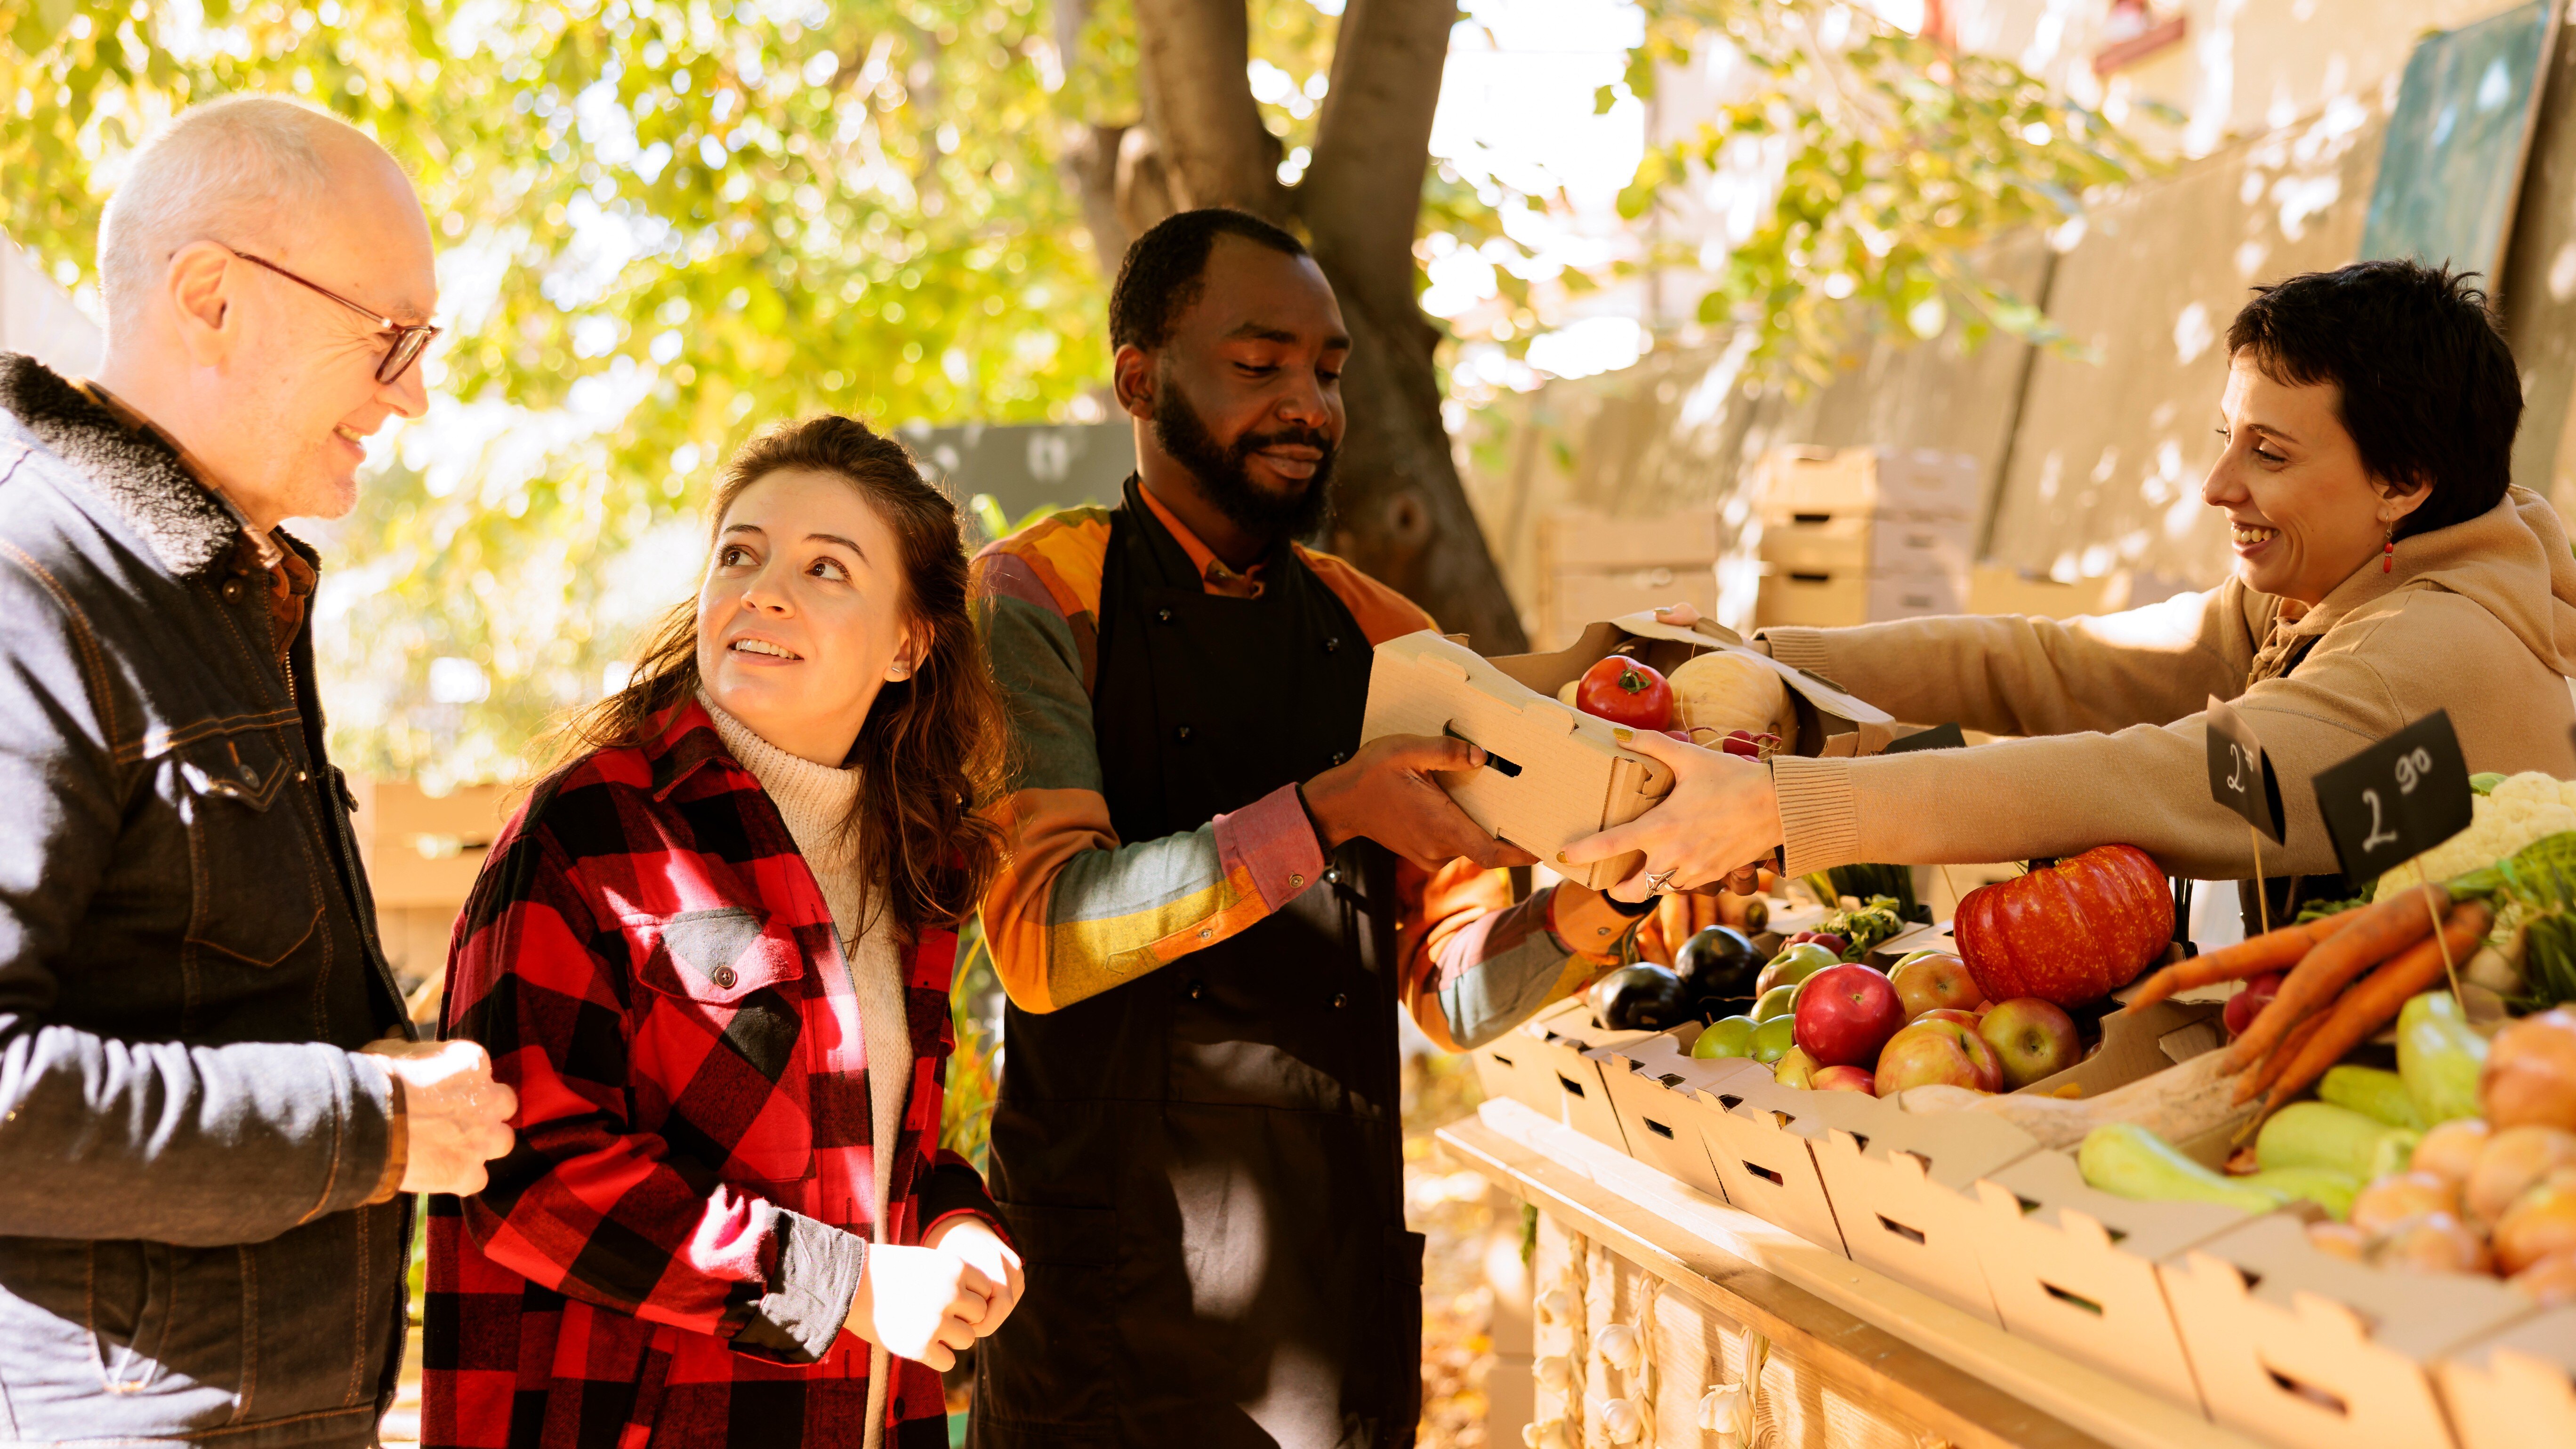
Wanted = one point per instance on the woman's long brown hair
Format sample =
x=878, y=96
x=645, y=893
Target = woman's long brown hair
x=932, y=745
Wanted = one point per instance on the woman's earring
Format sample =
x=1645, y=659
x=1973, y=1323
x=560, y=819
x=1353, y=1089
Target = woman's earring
x=898, y=674
x=2388, y=552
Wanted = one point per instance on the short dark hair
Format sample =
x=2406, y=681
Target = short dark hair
x=2429, y=389
x=1165, y=270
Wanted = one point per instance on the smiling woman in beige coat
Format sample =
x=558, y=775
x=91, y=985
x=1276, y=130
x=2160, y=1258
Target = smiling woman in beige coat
x=2384, y=570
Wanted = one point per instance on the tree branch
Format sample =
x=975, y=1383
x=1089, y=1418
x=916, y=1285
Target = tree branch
x=1191, y=56
x=1362, y=197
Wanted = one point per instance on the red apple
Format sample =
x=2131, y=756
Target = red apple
x=1844, y=1079
x=1937, y=1053
x=2245, y=1005
x=1933, y=983
x=1846, y=1013
x=1968, y=1019
x=2032, y=1039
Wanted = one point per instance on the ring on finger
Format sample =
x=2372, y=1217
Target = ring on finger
x=1661, y=882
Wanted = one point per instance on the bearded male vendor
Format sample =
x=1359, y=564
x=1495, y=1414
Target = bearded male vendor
x=1205, y=928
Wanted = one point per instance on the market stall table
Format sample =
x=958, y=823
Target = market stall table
x=1849, y=1356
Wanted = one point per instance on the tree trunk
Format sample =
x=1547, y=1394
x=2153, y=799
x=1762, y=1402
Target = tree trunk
x=1400, y=512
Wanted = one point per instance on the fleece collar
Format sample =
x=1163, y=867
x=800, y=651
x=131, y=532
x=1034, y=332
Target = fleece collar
x=189, y=529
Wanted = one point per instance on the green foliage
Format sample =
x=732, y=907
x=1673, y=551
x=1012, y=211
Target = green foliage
x=974, y=1081
x=664, y=223
x=1893, y=160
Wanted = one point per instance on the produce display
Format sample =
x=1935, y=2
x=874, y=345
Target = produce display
x=2385, y=1086
x=1722, y=701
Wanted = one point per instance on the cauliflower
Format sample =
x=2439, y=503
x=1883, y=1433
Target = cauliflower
x=2519, y=810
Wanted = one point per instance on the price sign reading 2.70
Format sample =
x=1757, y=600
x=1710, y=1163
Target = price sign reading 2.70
x=2396, y=799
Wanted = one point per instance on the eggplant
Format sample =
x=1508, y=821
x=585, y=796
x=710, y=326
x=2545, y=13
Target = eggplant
x=1643, y=997
x=1719, y=966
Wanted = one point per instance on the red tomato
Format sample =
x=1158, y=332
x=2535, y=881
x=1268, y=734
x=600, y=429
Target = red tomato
x=1623, y=691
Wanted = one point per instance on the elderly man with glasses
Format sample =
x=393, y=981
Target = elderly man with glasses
x=211, y=1110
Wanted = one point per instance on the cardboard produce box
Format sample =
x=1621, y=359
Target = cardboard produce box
x=1904, y=1195
x=2074, y=1268
x=1555, y=774
x=1661, y=1095
x=1761, y=1142
x=2305, y=1349
x=1543, y=1064
x=2515, y=1388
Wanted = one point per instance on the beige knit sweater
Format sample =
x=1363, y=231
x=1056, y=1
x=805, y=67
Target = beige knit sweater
x=815, y=801
x=2478, y=618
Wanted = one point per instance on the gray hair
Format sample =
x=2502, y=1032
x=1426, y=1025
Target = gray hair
x=229, y=170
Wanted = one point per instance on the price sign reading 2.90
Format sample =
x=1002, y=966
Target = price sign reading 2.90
x=2396, y=799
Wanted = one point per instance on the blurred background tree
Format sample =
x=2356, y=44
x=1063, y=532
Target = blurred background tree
x=666, y=222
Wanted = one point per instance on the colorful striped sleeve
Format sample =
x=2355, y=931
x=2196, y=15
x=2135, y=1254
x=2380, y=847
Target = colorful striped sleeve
x=1075, y=911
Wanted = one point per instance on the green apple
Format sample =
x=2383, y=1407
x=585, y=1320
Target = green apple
x=1793, y=965
x=1774, y=1038
x=1795, y=1069
x=1780, y=1000
x=1728, y=1036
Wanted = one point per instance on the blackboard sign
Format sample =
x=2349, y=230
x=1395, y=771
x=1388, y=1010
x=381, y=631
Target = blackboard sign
x=1939, y=737
x=2451, y=166
x=2396, y=799
x=2240, y=774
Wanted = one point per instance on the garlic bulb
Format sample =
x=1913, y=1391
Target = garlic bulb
x=1555, y=1372
x=1550, y=1435
x=1553, y=1305
x=1727, y=1412
x=1619, y=1345
x=1621, y=1422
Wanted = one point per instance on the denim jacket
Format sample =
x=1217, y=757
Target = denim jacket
x=187, y=960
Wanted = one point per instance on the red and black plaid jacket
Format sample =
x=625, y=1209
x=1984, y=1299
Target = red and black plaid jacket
x=669, y=1250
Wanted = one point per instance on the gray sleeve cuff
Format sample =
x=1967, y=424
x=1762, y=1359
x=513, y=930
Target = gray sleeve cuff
x=809, y=1296
x=369, y=1105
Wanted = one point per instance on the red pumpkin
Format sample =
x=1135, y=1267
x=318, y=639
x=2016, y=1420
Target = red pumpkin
x=2069, y=933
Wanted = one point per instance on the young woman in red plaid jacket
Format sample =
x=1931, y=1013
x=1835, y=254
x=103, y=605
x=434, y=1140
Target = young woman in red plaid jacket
x=712, y=956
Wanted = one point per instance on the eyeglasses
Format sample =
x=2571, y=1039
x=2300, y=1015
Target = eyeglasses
x=409, y=339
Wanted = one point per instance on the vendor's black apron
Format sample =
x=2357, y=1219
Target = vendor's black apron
x=1203, y=1166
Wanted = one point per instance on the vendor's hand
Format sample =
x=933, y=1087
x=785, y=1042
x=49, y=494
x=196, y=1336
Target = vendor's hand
x=1722, y=812
x=974, y=1240
x=1386, y=793
x=455, y=1117
x=921, y=1303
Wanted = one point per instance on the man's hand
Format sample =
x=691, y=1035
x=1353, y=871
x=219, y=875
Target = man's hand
x=1722, y=812
x=921, y=1303
x=975, y=1241
x=456, y=1116
x=1386, y=793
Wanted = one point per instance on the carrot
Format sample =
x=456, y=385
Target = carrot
x=2377, y=999
x=2268, y=952
x=2377, y=933
x=2267, y=1071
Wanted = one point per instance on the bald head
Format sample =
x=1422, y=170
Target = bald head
x=236, y=227
x=242, y=171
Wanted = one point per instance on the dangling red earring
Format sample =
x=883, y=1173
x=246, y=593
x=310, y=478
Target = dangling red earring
x=2388, y=552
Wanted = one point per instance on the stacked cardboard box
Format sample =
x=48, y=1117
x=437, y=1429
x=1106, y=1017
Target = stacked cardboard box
x=1596, y=567
x=1861, y=535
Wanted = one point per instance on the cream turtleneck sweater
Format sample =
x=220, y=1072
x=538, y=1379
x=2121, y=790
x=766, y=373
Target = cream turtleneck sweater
x=815, y=801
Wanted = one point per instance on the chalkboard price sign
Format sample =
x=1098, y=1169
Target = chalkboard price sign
x=2396, y=799
x=1939, y=737
x=2240, y=774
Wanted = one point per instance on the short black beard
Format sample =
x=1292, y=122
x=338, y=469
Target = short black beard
x=1223, y=480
